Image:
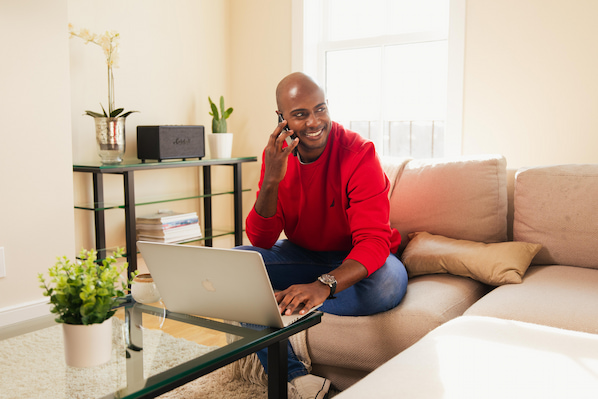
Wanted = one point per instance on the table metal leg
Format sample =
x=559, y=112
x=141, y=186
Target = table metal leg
x=207, y=204
x=131, y=234
x=238, y=203
x=99, y=219
x=134, y=349
x=277, y=370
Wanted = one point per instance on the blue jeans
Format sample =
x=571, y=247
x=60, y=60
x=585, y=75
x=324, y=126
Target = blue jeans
x=289, y=264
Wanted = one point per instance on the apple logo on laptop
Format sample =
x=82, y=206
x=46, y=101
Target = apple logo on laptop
x=207, y=284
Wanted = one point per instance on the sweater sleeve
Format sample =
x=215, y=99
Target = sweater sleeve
x=368, y=212
x=263, y=232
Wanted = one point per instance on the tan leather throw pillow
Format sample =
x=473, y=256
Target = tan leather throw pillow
x=493, y=264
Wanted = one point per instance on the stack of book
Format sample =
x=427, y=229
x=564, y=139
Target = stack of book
x=168, y=227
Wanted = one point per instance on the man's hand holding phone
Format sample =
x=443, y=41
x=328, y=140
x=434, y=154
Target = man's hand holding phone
x=289, y=138
x=275, y=163
x=276, y=155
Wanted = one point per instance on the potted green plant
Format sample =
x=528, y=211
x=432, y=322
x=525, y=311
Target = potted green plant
x=221, y=140
x=110, y=126
x=83, y=295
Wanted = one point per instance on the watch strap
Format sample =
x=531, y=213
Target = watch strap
x=332, y=290
x=330, y=281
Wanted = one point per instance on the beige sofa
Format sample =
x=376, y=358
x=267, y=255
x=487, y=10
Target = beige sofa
x=483, y=228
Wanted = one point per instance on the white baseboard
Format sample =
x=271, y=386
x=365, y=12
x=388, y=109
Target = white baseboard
x=23, y=312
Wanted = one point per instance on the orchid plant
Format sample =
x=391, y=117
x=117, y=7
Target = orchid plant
x=109, y=42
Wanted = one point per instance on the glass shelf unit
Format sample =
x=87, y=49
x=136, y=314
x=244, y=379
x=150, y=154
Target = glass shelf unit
x=107, y=206
x=127, y=169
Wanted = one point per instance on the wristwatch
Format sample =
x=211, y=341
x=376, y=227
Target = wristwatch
x=329, y=281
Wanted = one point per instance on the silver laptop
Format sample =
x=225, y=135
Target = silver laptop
x=227, y=284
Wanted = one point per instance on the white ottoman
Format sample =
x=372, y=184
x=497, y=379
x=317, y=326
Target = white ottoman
x=484, y=357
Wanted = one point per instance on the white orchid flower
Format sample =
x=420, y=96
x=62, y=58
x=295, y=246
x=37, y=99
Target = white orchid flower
x=109, y=42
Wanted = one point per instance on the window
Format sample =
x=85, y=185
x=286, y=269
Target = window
x=385, y=67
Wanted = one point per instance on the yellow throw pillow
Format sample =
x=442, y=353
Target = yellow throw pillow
x=493, y=264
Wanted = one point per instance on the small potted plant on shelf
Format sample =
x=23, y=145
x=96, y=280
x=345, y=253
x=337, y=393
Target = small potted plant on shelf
x=83, y=295
x=221, y=141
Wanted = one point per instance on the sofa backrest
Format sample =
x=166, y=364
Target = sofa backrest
x=393, y=167
x=557, y=206
x=463, y=198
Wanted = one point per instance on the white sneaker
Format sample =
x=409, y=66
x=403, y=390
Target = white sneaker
x=311, y=386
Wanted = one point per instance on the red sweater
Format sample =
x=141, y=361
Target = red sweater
x=337, y=203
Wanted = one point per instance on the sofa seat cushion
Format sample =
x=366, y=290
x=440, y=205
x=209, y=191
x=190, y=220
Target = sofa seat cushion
x=557, y=296
x=556, y=206
x=479, y=357
x=365, y=342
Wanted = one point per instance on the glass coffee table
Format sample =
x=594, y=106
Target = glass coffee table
x=154, y=351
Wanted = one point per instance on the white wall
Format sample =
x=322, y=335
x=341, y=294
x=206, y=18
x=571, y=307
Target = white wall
x=260, y=58
x=173, y=54
x=531, y=87
x=36, y=186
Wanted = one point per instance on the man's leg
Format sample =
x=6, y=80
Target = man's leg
x=381, y=291
x=284, y=263
x=295, y=367
x=289, y=264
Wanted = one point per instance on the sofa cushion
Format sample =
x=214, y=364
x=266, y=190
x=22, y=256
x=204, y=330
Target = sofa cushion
x=464, y=198
x=482, y=357
x=557, y=296
x=556, y=206
x=365, y=342
x=494, y=264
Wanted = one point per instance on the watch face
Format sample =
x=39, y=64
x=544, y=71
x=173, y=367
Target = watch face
x=327, y=279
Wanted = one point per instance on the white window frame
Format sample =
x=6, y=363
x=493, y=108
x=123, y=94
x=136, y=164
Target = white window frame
x=456, y=60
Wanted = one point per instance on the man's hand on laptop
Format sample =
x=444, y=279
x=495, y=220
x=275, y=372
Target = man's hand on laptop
x=301, y=297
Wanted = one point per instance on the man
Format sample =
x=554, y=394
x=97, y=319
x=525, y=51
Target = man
x=331, y=201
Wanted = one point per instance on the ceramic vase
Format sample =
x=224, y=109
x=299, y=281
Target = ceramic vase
x=221, y=145
x=144, y=289
x=87, y=345
x=110, y=139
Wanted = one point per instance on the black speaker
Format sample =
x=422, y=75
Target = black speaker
x=170, y=142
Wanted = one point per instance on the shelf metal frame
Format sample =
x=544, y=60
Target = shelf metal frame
x=127, y=170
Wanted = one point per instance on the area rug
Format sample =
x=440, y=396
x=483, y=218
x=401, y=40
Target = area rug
x=33, y=366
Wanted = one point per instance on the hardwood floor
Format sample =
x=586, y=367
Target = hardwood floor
x=202, y=336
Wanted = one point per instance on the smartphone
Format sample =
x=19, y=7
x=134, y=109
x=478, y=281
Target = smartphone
x=292, y=137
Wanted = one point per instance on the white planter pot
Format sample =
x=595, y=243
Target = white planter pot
x=221, y=145
x=89, y=345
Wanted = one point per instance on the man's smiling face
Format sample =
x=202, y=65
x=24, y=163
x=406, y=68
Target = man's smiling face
x=303, y=104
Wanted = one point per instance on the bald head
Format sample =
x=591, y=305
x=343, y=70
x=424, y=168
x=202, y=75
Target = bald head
x=293, y=86
x=302, y=103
